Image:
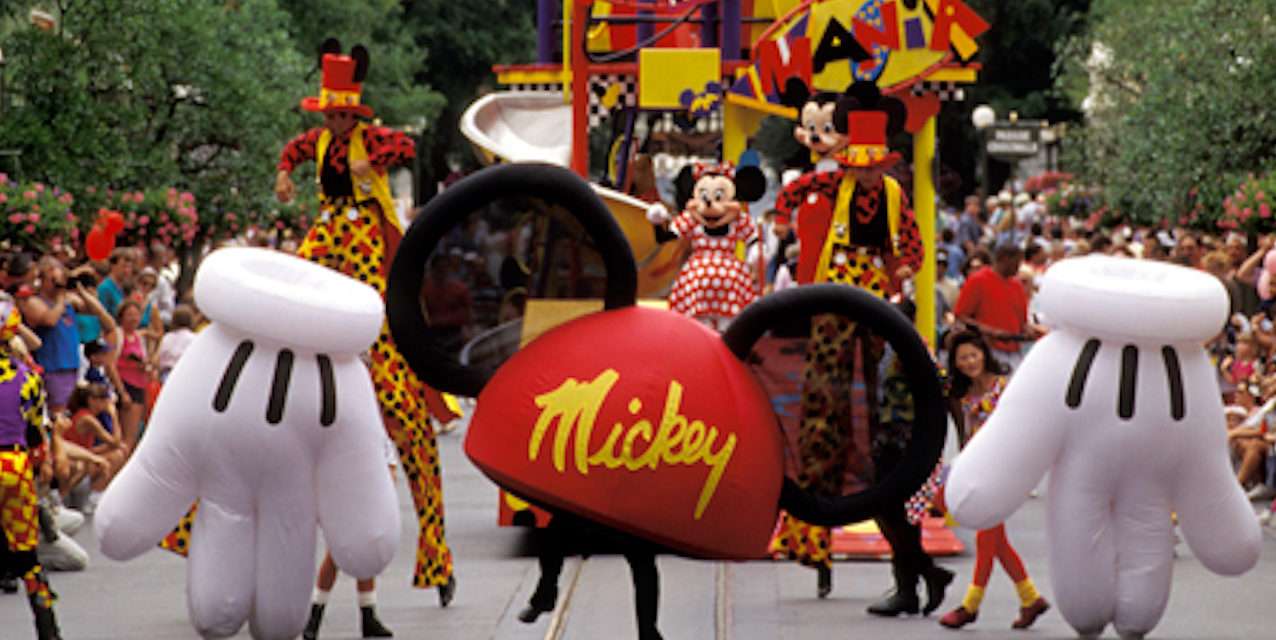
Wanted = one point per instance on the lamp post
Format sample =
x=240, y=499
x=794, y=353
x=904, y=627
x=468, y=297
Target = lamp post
x=983, y=117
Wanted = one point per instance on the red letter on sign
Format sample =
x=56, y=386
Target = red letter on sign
x=773, y=70
x=954, y=11
x=887, y=36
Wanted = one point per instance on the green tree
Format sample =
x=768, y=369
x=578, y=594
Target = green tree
x=465, y=39
x=133, y=94
x=1020, y=73
x=397, y=60
x=1182, y=101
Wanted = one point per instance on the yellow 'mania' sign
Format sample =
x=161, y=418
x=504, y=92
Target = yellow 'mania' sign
x=833, y=43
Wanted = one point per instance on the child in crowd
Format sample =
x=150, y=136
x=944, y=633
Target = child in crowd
x=175, y=342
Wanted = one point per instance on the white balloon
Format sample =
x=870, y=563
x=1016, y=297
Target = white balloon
x=1120, y=404
x=269, y=419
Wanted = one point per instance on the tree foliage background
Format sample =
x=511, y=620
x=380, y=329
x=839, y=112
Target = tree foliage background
x=1182, y=98
x=202, y=94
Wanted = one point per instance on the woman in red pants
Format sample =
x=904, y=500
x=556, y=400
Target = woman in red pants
x=977, y=382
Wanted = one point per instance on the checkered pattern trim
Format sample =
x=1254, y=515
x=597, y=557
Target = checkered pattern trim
x=711, y=123
x=545, y=87
x=608, y=92
x=947, y=91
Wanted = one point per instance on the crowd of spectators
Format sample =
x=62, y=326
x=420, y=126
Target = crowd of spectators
x=106, y=334
x=103, y=336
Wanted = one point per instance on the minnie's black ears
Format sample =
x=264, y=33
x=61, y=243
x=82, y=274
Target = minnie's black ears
x=750, y=183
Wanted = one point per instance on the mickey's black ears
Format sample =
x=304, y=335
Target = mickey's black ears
x=795, y=93
x=331, y=45
x=360, y=56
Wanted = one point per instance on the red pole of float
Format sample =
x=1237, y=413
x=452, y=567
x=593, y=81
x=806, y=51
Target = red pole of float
x=580, y=89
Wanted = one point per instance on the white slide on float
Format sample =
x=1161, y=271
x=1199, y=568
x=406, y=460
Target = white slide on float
x=536, y=126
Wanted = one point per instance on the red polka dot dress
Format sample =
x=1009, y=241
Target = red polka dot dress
x=715, y=282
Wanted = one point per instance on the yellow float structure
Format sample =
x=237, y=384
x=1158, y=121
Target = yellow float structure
x=730, y=58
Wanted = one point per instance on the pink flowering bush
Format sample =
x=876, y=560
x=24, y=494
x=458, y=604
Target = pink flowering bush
x=35, y=216
x=1249, y=208
x=161, y=214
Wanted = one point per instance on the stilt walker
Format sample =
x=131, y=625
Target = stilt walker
x=854, y=227
x=357, y=232
x=22, y=405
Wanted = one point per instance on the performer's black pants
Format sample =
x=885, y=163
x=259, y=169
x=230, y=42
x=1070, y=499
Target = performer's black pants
x=567, y=535
x=909, y=561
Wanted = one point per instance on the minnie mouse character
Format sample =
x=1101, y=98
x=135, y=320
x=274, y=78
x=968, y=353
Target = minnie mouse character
x=715, y=284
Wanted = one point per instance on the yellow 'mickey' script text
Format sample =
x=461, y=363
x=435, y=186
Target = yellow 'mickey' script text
x=575, y=405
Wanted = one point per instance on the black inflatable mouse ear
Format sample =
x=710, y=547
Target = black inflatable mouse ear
x=359, y=54
x=528, y=185
x=791, y=313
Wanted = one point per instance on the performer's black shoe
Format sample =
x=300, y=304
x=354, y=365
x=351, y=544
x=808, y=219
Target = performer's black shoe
x=447, y=591
x=46, y=624
x=531, y=612
x=895, y=604
x=312, y=625
x=824, y=580
x=371, y=625
x=9, y=584
x=937, y=581
x=540, y=603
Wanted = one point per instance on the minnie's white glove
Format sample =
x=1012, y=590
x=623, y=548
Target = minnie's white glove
x=658, y=214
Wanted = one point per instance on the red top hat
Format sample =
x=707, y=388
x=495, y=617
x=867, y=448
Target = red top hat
x=342, y=86
x=866, y=132
x=870, y=119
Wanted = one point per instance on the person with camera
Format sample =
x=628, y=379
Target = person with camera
x=52, y=312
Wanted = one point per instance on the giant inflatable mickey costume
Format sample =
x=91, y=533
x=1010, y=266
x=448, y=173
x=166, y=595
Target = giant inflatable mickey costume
x=715, y=283
x=664, y=435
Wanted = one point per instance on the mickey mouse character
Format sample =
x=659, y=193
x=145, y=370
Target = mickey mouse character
x=715, y=283
x=817, y=128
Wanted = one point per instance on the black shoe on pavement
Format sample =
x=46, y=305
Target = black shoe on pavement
x=895, y=604
x=447, y=591
x=824, y=581
x=46, y=624
x=9, y=584
x=531, y=612
x=937, y=581
x=312, y=625
x=371, y=625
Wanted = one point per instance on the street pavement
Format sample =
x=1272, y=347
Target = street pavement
x=700, y=600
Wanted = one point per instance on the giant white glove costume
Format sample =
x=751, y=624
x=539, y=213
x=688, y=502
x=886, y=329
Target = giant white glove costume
x=1121, y=404
x=270, y=421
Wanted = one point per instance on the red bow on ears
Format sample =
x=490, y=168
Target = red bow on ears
x=708, y=169
x=100, y=241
